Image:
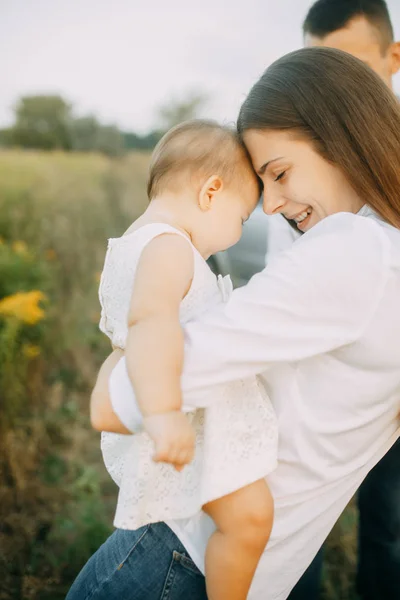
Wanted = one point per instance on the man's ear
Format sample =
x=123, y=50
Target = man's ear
x=395, y=57
x=209, y=190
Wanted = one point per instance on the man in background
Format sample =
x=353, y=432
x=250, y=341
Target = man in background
x=362, y=28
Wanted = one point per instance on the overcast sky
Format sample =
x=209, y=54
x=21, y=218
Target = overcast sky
x=120, y=60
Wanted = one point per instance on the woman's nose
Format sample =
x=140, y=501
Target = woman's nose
x=273, y=201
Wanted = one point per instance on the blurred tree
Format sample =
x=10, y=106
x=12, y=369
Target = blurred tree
x=84, y=133
x=5, y=137
x=133, y=141
x=47, y=122
x=178, y=110
x=110, y=140
x=42, y=122
x=88, y=135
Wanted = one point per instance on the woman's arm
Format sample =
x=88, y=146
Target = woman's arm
x=317, y=296
x=313, y=298
x=102, y=415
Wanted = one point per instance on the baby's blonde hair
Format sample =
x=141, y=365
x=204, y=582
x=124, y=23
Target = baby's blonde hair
x=198, y=148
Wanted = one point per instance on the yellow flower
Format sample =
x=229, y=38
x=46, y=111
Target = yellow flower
x=30, y=350
x=97, y=276
x=19, y=247
x=23, y=306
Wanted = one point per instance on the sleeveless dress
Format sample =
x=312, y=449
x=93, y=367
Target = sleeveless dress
x=236, y=429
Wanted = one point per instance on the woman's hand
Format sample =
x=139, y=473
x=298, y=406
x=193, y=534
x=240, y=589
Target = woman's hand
x=102, y=415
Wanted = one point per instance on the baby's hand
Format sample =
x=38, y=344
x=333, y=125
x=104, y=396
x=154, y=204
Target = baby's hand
x=173, y=436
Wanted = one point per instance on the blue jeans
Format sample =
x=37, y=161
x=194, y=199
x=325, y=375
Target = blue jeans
x=146, y=564
x=378, y=573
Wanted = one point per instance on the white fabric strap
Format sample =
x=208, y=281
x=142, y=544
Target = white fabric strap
x=121, y=391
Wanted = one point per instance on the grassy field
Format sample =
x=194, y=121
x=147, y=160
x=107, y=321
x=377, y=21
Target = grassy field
x=56, y=502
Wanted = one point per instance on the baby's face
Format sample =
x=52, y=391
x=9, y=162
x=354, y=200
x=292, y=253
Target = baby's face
x=228, y=214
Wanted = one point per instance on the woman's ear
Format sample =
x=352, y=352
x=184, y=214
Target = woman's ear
x=208, y=192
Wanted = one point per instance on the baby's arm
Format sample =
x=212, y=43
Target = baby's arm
x=154, y=348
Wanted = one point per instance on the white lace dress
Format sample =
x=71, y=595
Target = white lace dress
x=236, y=434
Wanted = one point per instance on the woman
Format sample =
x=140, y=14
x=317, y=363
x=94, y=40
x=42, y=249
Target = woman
x=320, y=323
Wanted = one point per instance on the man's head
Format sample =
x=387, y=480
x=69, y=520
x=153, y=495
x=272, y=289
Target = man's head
x=360, y=27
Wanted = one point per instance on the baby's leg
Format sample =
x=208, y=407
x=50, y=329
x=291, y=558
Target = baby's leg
x=102, y=415
x=244, y=522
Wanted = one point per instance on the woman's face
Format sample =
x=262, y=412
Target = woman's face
x=298, y=182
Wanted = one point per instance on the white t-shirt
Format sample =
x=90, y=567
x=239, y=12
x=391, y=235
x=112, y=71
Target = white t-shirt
x=322, y=325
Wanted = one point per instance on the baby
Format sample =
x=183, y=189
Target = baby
x=202, y=189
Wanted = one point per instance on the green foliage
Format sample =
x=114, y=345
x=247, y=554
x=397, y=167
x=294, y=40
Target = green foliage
x=56, y=500
x=42, y=122
x=84, y=133
x=49, y=123
x=20, y=269
x=110, y=140
x=88, y=135
x=6, y=138
x=132, y=141
x=341, y=558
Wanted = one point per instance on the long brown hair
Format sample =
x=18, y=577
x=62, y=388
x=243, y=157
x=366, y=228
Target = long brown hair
x=345, y=109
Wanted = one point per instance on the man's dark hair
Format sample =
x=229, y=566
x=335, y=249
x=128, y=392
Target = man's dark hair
x=327, y=16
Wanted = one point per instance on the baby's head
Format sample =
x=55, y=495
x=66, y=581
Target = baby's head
x=204, y=170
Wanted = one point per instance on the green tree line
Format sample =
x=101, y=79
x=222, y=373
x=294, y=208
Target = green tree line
x=48, y=122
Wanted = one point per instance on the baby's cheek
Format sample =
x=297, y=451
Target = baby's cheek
x=235, y=238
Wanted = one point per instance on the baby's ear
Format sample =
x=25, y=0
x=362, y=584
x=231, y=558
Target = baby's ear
x=395, y=57
x=208, y=192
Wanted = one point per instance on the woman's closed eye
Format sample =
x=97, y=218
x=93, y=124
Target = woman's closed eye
x=280, y=176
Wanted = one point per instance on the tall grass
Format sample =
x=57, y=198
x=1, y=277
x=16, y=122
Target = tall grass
x=57, y=211
x=56, y=501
